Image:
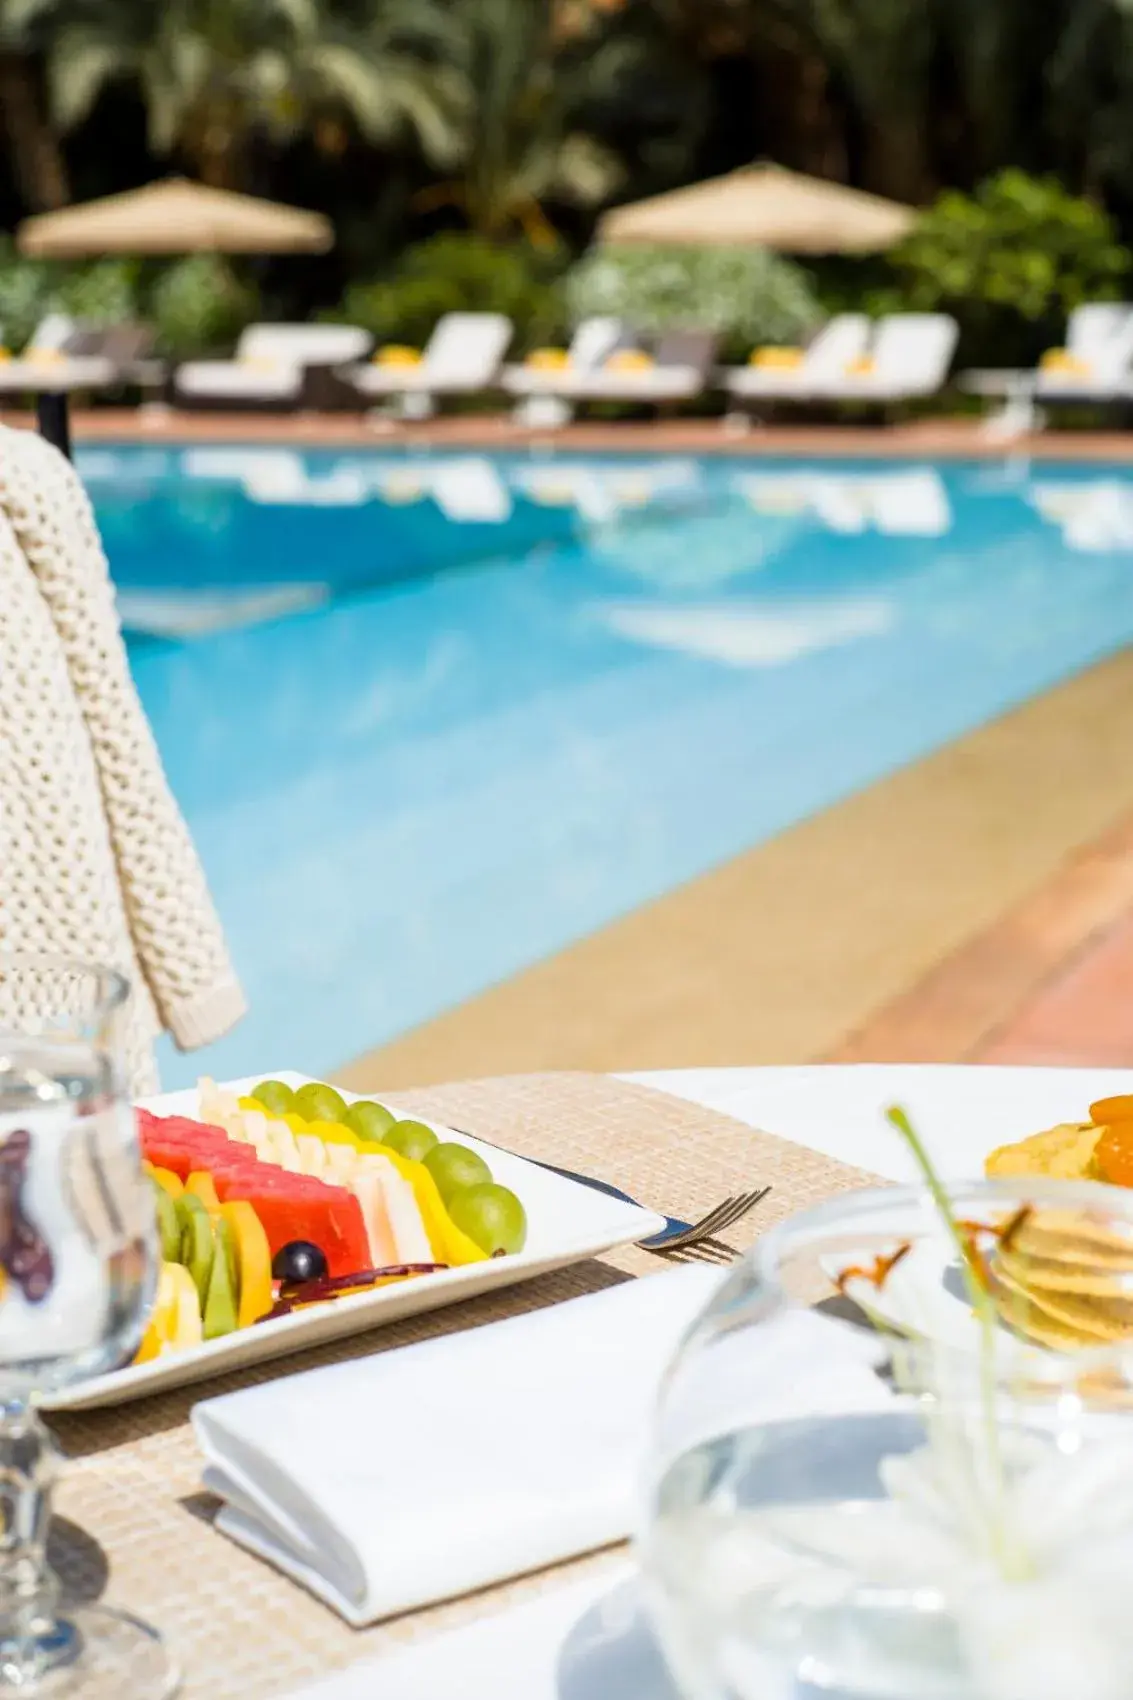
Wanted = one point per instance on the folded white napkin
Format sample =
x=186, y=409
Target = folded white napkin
x=586, y=1640
x=422, y=1473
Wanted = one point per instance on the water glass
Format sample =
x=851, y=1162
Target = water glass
x=78, y=1264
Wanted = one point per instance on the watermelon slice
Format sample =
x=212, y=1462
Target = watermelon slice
x=328, y=1216
x=290, y=1206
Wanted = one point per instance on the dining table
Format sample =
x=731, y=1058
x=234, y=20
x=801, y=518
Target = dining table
x=134, y=1521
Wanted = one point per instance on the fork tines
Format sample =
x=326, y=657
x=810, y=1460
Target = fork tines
x=702, y=1236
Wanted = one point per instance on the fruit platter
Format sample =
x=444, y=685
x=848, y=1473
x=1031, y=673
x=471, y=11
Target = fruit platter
x=288, y=1214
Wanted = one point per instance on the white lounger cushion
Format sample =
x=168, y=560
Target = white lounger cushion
x=225, y=380
x=841, y=341
x=270, y=360
x=911, y=352
x=592, y=344
x=649, y=383
x=462, y=356
x=1100, y=335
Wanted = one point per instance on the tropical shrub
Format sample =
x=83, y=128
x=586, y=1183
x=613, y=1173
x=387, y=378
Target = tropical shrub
x=746, y=295
x=105, y=293
x=26, y=289
x=459, y=272
x=1009, y=261
x=198, y=305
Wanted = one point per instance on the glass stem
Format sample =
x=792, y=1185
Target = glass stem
x=28, y=1588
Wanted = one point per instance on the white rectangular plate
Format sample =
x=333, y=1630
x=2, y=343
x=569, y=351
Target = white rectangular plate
x=566, y=1223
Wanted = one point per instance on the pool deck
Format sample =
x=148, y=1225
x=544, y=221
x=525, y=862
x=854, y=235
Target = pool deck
x=959, y=439
x=977, y=906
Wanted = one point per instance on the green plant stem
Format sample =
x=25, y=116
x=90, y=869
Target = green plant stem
x=1014, y=1563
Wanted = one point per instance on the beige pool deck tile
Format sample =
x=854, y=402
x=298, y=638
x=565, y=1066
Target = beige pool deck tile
x=790, y=951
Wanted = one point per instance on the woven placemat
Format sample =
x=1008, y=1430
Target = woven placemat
x=133, y=1522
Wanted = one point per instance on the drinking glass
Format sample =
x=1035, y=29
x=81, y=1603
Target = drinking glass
x=78, y=1266
x=893, y=1459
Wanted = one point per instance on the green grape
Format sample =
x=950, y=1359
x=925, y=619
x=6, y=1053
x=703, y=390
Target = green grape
x=492, y=1217
x=455, y=1167
x=411, y=1139
x=274, y=1096
x=369, y=1120
x=318, y=1103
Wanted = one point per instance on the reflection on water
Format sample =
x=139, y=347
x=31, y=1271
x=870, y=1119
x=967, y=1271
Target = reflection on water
x=446, y=713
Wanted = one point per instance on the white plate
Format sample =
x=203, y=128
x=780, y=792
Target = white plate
x=566, y=1223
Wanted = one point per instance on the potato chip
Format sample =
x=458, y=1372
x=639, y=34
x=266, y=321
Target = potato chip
x=1087, y=1280
x=1065, y=1152
x=1055, y=1320
x=1073, y=1236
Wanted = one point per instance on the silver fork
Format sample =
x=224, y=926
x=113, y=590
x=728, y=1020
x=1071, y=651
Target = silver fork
x=698, y=1242
x=684, y=1242
x=687, y=1242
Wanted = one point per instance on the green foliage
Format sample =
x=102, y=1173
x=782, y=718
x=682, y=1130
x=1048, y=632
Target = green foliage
x=1010, y=261
x=531, y=76
x=747, y=295
x=199, y=305
x=26, y=288
x=105, y=293
x=459, y=272
x=217, y=75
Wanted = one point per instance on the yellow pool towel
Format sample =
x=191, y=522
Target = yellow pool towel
x=776, y=359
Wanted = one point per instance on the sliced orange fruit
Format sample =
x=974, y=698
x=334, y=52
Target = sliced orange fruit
x=1107, y=1111
x=1113, y=1154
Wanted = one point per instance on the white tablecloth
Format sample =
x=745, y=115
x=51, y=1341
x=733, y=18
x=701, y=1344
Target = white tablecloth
x=962, y=1113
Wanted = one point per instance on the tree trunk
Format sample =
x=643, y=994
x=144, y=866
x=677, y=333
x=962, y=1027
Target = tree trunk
x=40, y=170
x=895, y=163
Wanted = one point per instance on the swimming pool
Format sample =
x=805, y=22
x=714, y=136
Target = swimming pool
x=434, y=717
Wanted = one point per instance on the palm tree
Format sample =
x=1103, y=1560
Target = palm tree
x=214, y=74
x=532, y=72
x=40, y=171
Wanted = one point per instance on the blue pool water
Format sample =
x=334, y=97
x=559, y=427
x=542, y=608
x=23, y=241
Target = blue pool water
x=432, y=718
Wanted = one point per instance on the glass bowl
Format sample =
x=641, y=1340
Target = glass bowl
x=893, y=1459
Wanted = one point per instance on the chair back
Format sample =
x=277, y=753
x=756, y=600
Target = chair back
x=303, y=345
x=914, y=350
x=1092, y=327
x=841, y=340
x=594, y=341
x=468, y=348
x=688, y=348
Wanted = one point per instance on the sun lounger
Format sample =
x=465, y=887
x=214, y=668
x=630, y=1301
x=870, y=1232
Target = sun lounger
x=462, y=357
x=49, y=371
x=677, y=370
x=836, y=346
x=592, y=344
x=273, y=367
x=1095, y=364
x=909, y=357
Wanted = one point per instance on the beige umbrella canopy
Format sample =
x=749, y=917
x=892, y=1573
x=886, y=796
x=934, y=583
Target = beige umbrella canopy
x=175, y=217
x=767, y=206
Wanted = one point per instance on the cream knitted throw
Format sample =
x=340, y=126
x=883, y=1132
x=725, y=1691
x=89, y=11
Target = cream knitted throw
x=95, y=859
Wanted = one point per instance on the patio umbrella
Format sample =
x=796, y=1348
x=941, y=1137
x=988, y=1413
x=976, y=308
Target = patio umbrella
x=765, y=206
x=174, y=217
